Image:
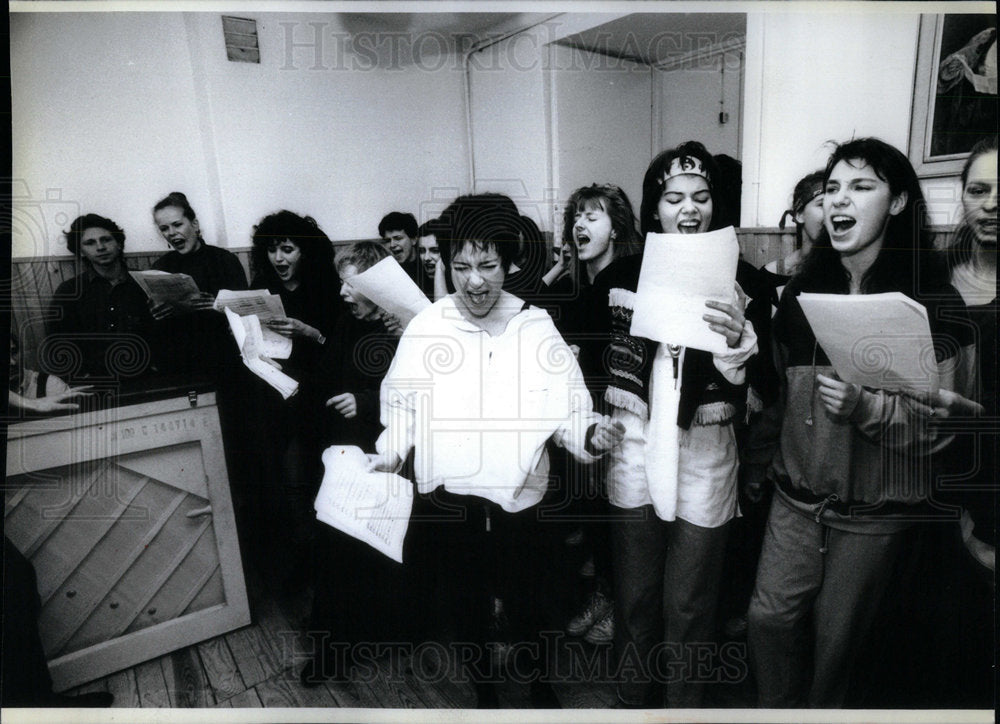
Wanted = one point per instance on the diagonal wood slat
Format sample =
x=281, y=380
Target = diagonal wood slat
x=48, y=526
x=56, y=580
x=165, y=574
x=125, y=564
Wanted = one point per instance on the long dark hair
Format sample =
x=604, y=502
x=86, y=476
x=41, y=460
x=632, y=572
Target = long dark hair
x=960, y=250
x=906, y=262
x=316, y=270
x=652, y=185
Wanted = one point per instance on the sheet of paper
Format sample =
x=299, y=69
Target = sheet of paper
x=164, y=287
x=390, y=287
x=372, y=507
x=264, y=306
x=247, y=332
x=251, y=301
x=875, y=340
x=680, y=272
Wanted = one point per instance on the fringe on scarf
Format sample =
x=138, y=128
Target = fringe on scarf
x=714, y=413
x=623, y=298
x=626, y=401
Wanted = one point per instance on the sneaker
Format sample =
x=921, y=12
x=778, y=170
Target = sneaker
x=587, y=570
x=602, y=632
x=594, y=610
x=575, y=538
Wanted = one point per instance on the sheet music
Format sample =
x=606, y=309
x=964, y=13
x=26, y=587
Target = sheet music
x=875, y=340
x=263, y=305
x=680, y=272
x=373, y=507
x=251, y=301
x=247, y=332
x=390, y=287
x=161, y=286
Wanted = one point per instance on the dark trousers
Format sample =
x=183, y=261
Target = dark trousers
x=361, y=597
x=474, y=551
x=666, y=591
x=25, y=680
x=838, y=590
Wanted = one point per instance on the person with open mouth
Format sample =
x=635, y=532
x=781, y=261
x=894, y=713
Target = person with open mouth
x=212, y=268
x=480, y=383
x=851, y=468
x=292, y=257
x=198, y=336
x=599, y=226
x=678, y=461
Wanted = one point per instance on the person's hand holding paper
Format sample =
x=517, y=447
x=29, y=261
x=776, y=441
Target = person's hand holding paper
x=388, y=285
x=373, y=507
x=874, y=340
x=685, y=294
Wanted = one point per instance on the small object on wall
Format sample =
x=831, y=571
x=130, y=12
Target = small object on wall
x=241, y=39
x=723, y=118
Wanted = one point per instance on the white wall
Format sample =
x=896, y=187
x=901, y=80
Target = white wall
x=602, y=123
x=510, y=122
x=339, y=140
x=104, y=121
x=114, y=110
x=689, y=98
x=813, y=77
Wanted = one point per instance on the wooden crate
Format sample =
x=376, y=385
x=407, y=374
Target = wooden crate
x=126, y=515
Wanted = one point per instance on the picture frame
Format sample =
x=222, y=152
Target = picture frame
x=949, y=115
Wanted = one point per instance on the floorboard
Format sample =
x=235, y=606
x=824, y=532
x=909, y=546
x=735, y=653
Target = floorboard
x=151, y=685
x=285, y=690
x=187, y=684
x=123, y=686
x=258, y=666
x=220, y=668
x=253, y=655
x=245, y=700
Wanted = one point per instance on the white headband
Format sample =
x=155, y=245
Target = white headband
x=688, y=165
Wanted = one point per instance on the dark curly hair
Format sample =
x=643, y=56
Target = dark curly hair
x=316, y=268
x=91, y=221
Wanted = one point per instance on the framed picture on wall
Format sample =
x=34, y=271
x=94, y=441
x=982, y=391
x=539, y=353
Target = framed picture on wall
x=955, y=91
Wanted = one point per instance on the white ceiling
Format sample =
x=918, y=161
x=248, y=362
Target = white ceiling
x=651, y=38
x=655, y=38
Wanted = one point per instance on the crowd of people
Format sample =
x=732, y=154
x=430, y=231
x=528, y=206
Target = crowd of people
x=751, y=490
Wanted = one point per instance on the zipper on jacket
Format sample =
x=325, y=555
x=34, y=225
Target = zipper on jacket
x=675, y=353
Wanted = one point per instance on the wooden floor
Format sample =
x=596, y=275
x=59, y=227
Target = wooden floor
x=258, y=666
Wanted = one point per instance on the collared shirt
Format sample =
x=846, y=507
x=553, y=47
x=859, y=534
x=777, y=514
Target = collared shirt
x=99, y=329
x=478, y=409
